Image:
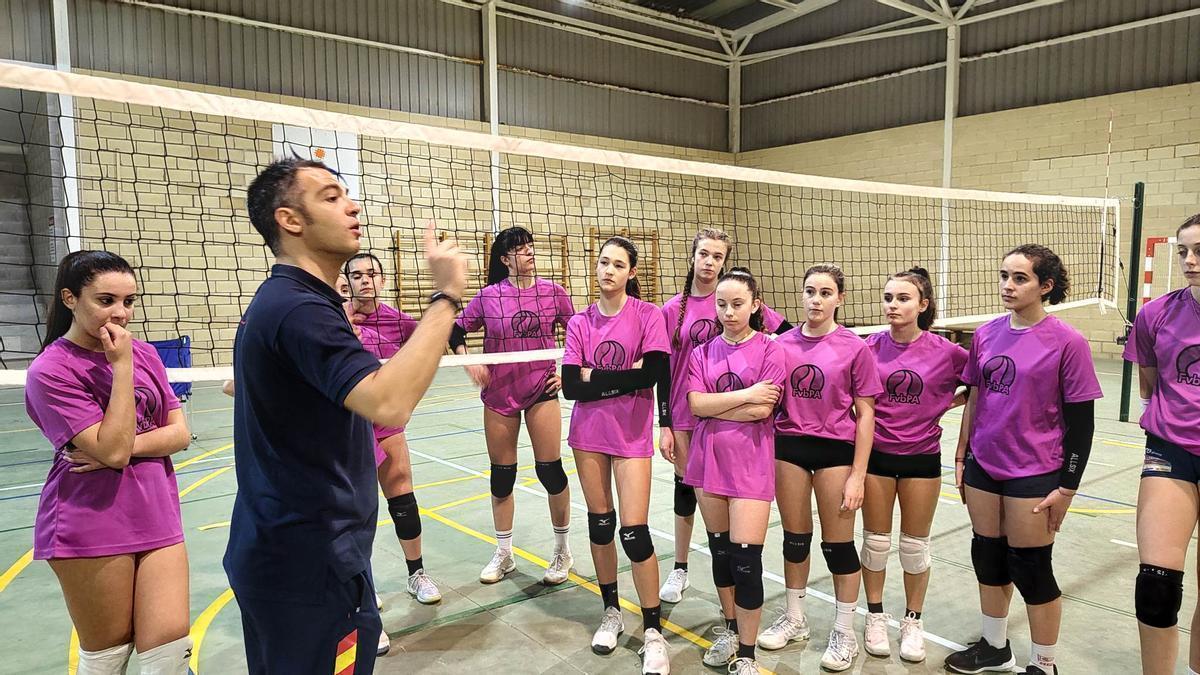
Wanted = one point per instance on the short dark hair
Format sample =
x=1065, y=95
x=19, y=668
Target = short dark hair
x=361, y=256
x=275, y=188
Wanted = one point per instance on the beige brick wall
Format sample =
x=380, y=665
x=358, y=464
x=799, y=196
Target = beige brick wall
x=1060, y=149
x=167, y=190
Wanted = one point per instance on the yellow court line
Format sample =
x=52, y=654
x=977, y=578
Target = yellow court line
x=201, y=626
x=73, y=653
x=184, y=492
x=1123, y=510
x=16, y=568
x=201, y=456
x=522, y=553
x=1122, y=444
x=213, y=526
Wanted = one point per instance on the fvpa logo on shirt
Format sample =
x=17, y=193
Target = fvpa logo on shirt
x=729, y=382
x=609, y=355
x=703, y=330
x=807, y=381
x=905, y=386
x=1187, y=366
x=525, y=324
x=999, y=373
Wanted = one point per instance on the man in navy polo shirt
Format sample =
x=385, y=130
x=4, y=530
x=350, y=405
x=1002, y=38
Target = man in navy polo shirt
x=304, y=519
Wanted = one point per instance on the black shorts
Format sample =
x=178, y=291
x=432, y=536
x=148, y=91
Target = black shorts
x=1167, y=460
x=1025, y=487
x=928, y=465
x=812, y=453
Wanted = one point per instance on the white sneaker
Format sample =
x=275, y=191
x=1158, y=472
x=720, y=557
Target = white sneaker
x=604, y=640
x=784, y=630
x=876, y=634
x=840, y=653
x=656, y=660
x=744, y=666
x=422, y=587
x=676, y=583
x=384, y=644
x=912, y=639
x=723, y=648
x=559, y=569
x=501, y=563
x=378, y=602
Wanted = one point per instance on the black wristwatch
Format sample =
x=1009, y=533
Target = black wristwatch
x=442, y=295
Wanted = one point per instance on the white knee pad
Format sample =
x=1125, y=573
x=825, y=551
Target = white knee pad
x=111, y=661
x=875, y=548
x=914, y=553
x=169, y=659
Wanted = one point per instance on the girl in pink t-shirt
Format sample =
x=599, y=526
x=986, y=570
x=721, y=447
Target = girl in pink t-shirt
x=616, y=352
x=691, y=318
x=108, y=520
x=518, y=311
x=823, y=435
x=733, y=389
x=920, y=372
x=1165, y=343
x=1025, y=440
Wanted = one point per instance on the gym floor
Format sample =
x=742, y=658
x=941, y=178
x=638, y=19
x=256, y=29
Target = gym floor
x=520, y=626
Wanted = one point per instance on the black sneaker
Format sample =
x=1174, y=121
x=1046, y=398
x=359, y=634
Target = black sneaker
x=1036, y=670
x=981, y=656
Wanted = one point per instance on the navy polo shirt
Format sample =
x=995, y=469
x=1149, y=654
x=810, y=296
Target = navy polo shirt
x=306, y=506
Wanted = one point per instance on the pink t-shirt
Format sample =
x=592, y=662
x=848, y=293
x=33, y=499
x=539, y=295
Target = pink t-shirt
x=373, y=343
x=622, y=425
x=825, y=375
x=700, y=325
x=1166, y=336
x=1023, y=377
x=387, y=330
x=107, y=511
x=735, y=459
x=514, y=320
x=919, y=380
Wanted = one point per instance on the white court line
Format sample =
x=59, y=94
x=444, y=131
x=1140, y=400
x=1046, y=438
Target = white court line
x=20, y=487
x=703, y=550
x=951, y=502
x=1118, y=542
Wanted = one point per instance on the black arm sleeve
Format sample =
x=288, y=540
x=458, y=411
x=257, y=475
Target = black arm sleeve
x=660, y=364
x=629, y=380
x=1080, y=420
x=575, y=389
x=458, y=337
x=784, y=327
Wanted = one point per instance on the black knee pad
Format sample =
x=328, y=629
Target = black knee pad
x=841, y=557
x=1158, y=595
x=718, y=545
x=601, y=527
x=989, y=556
x=685, y=498
x=551, y=476
x=504, y=477
x=405, y=516
x=796, y=546
x=636, y=541
x=746, y=561
x=1033, y=573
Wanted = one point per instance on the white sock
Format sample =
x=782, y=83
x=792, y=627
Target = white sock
x=504, y=541
x=111, y=661
x=995, y=630
x=795, y=603
x=561, y=545
x=169, y=659
x=845, y=616
x=1042, y=656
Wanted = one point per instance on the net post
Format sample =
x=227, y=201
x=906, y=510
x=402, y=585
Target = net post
x=1131, y=293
